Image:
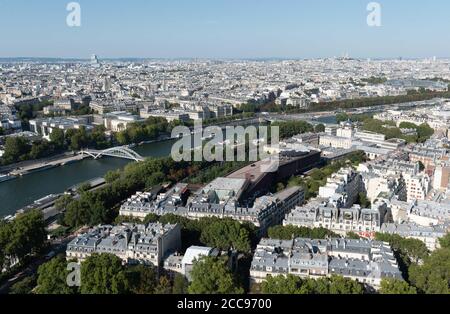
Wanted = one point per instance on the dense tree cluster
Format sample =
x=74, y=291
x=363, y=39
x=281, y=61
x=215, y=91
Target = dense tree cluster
x=320, y=128
x=239, y=116
x=375, y=80
x=248, y=107
x=52, y=277
x=389, y=129
x=287, y=232
x=151, y=129
x=215, y=171
x=24, y=286
x=424, y=272
x=353, y=103
x=21, y=237
x=211, y=275
x=154, y=127
x=20, y=149
x=395, y=286
x=296, y=285
x=433, y=275
x=97, y=206
x=105, y=274
x=224, y=234
x=352, y=235
x=77, y=139
x=82, y=110
x=318, y=177
x=407, y=251
x=362, y=200
x=27, y=112
x=343, y=117
x=291, y=128
x=375, y=101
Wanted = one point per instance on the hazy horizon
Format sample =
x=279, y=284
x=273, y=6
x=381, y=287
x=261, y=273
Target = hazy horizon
x=225, y=29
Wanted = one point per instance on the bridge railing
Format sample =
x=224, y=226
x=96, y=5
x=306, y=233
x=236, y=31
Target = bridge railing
x=117, y=152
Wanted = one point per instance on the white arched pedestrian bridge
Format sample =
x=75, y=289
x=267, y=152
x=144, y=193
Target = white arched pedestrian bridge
x=123, y=152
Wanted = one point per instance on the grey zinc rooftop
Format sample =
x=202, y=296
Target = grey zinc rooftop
x=277, y=256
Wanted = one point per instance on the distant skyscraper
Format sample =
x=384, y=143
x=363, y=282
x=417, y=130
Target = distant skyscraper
x=107, y=84
x=94, y=61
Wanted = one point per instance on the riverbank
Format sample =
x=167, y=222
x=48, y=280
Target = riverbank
x=28, y=163
x=24, y=190
x=46, y=165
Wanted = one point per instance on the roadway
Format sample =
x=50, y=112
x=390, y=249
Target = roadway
x=41, y=164
x=56, y=247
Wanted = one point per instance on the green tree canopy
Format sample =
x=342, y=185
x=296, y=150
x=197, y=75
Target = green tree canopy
x=211, y=275
x=180, y=284
x=16, y=149
x=164, y=286
x=433, y=277
x=395, y=286
x=342, y=117
x=57, y=137
x=103, y=274
x=408, y=250
x=62, y=202
x=151, y=218
x=408, y=125
x=445, y=241
x=79, y=139
x=25, y=286
x=352, y=235
x=363, y=201
x=424, y=132
x=291, y=128
x=319, y=128
x=23, y=236
x=287, y=232
x=296, y=285
x=98, y=138
x=226, y=234
x=52, y=277
x=155, y=179
x=142, y=279
x=281, y=285
x=40, y=149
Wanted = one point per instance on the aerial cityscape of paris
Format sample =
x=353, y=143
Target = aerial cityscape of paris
x=246, y=148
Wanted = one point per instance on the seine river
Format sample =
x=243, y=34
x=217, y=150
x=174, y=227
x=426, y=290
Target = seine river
x=20, y=192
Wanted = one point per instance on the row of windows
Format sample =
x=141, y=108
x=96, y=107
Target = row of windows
x=145, y=256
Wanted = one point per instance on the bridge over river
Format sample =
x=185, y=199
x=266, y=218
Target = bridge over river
x=123, y=152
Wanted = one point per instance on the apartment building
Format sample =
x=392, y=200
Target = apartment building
x=365, y=261
x=219, y=199
x=147, y=244
x=343, y=186
x=45, y=126
x=363, y=221
x=429, y=235
x=335, y=141
x=417, y=186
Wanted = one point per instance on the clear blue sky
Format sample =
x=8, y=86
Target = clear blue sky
x=225, y=29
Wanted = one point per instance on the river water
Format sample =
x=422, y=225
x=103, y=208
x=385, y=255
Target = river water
x=20, y=192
